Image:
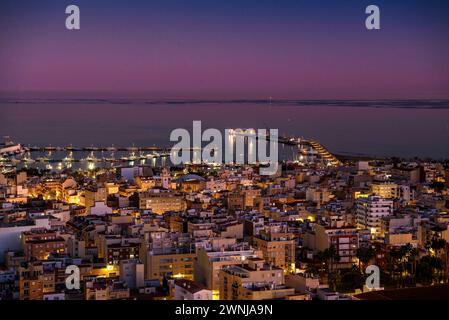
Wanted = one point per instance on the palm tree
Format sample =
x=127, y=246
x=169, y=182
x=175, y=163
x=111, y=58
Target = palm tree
x=331, y=255
x=334, y=280
x=364, y=255
x=327, y=258
x=440, y=247
x=424, y=271
x=321, y=257
x=413, y=256
x=351, y=280
x=398, y=259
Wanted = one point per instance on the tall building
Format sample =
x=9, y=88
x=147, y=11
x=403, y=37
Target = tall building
x=31, y=282
x=132, y=273
x=344, y=239
x=370, y=212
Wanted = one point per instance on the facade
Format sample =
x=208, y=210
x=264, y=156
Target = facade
x=164, y=264
x=277, y=249
x=370, y=212
x=161, y=203
x=254, y=280
x=132, y=273
x=385, y=190
x=209, y=264
x=38, y=244
x=344, y=239
x=122, y=251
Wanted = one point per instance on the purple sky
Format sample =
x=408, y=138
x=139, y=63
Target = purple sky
x=227, y=49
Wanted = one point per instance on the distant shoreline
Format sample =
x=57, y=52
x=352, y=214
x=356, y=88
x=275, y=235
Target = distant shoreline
x=382, y=104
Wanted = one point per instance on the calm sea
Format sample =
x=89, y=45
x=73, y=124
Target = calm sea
x=377, y=128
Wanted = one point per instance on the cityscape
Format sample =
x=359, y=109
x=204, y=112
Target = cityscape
x=138, y=228
x=227, y=157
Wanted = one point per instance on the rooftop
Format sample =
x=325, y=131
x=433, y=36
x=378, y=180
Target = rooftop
x=440, y=292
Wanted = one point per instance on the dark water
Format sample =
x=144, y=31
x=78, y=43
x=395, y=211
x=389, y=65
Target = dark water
x=377, y=128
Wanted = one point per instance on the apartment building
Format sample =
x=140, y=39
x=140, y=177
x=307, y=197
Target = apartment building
x=38, y=244
x=245, y=282
x=385, y=190
x=161, y=202
x=209, y=263
x=278, y=248
x=370, y=212
x=344, y=239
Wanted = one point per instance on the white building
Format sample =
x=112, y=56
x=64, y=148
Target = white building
x=370, y=212
x=132, y=273
x=189, y=290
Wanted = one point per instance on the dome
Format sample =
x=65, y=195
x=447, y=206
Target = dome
x=190, y=177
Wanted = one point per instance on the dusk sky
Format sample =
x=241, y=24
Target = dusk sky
x=227, y=49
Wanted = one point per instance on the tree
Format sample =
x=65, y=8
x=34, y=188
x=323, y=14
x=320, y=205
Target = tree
x=441, y=248
x=413, y=258
x=429, y=269
x=423, y=272
x=328, y=257
x=351, y=280
x=364, y=255
x=331, y=256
